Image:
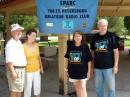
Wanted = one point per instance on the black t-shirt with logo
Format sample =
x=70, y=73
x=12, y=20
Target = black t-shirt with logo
x=103, y=46
x=78, y=58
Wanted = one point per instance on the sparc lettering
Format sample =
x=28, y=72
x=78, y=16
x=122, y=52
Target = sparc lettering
x=67, y=3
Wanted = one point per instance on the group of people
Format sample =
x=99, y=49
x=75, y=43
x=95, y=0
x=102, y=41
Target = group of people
x=101, y=61
x=24, y=66
x=23, y=63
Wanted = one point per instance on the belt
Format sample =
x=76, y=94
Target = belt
x=19, y=66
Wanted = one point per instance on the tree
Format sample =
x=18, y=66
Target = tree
x=26, y=21
x=2, y=23
x=116, y=24
x=127, y=23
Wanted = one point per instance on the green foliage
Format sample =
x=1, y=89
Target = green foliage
x=116, y=24
x=26, y=21
x=127, y=43
x=127, y=23
x=2, y=23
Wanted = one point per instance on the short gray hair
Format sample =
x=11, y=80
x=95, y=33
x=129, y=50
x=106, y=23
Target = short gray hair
x=104, y=21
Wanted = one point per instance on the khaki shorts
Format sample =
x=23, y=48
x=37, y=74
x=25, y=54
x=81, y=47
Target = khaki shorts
x=18, y=84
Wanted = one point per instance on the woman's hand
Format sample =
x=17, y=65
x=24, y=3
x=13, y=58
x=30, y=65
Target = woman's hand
x=41, y=71
x=89, y=75
x=66, y=71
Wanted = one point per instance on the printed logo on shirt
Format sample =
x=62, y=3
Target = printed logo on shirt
x=102, y=45
x=75, y=57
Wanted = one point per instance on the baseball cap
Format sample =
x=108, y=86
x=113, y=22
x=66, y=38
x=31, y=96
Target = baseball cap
x=15, y=27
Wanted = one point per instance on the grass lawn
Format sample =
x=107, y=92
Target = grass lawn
x=50, y=43
x=55, y=43
x=127, y=42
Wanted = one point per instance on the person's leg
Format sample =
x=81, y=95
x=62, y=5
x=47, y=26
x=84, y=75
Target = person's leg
x=19, y=94
x=99, y=83
x=83, y=87
x=28, y=84
x=10, y=85
x=37, y=84
x=76, y=86
x=37, y=95
x=110, y=82
x=21, y=75
x=15, y=86
x=80, y=87
x=13, y=94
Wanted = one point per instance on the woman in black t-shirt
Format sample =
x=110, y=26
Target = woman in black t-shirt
x=79, y=63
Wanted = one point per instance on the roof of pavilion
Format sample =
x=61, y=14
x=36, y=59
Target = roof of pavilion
x=18, y=7
x=106, y=7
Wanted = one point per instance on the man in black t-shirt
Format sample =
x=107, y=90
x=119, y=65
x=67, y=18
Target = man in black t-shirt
x=105, y=52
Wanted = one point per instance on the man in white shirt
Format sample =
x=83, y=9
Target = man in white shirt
x=16, y=61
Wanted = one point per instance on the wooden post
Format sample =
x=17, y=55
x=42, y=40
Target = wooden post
x=1, y=44
x=63, y=87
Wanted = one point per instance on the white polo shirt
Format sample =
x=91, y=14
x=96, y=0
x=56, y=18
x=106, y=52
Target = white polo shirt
x=14, y=53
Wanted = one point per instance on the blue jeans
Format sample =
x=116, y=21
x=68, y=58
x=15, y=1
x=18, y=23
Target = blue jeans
x=105, y=77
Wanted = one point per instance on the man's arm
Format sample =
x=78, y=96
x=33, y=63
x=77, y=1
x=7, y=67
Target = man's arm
x=41, y=66
x=116, y=59
x=11, y=69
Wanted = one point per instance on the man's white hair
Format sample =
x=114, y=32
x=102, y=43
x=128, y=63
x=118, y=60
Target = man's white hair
x=102, y=21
